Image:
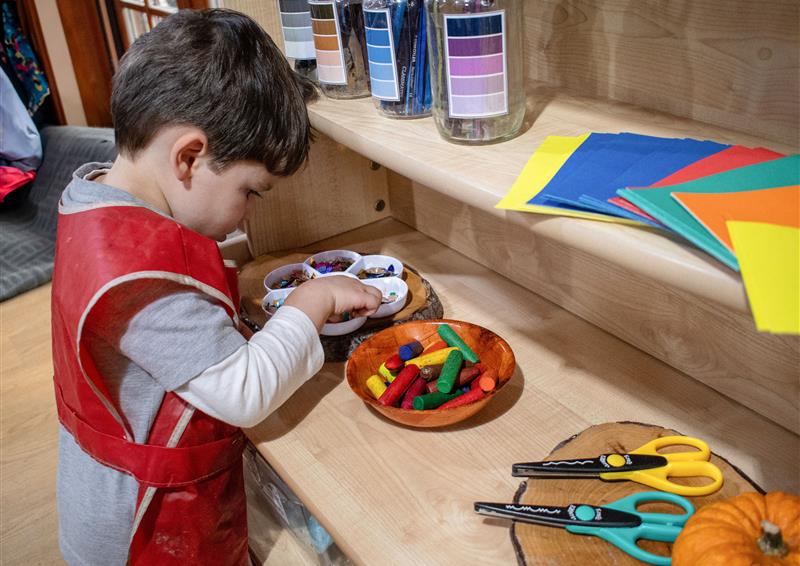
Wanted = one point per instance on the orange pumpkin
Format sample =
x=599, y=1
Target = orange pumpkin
x=747, y=530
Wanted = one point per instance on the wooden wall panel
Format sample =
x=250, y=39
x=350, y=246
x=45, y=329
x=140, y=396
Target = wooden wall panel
x=265, y=12
x=337, y=191
x=734, y=63
x=715, y=345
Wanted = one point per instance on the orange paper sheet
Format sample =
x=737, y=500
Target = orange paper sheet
x=779, y=206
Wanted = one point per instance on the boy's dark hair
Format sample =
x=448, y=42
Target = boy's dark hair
x=219, y=71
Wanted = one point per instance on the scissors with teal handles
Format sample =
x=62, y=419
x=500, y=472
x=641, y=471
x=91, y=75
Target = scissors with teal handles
x=645, y=465
x=618, y=523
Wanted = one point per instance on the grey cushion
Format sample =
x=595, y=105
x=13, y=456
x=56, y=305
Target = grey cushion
x=28, y=231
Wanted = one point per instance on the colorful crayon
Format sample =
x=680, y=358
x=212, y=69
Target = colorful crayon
x=430, y=372
x=449, y=335
x=465, y=399
x=394, y=363
x=410, y=350
x=433, y=358
x=417, y=388
x=399, y=386
x=452, y=366
x=376, y=386
x=440, y=345
x=434, y=400
x=488, y=380
x=467, y=375
x=382, y=371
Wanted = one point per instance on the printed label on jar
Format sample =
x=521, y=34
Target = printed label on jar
x=382, y=55
x=298, y=39
x=328, y=43
x=475, y=51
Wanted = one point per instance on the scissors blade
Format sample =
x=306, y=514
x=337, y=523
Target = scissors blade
x=587, y=467
x=573, y=514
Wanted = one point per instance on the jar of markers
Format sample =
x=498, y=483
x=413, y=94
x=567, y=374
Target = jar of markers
x=341, y=48
x=396, y=32
x=476, y=59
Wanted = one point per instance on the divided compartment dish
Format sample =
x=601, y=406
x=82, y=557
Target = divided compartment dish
x=377, y=260
x=386, y=285
x=331, y=255
x=274, y=276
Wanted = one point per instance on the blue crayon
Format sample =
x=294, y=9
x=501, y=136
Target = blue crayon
x=410, y=350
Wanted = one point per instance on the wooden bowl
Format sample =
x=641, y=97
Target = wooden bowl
x=370, y=354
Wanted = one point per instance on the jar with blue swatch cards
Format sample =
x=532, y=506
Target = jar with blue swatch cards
x=475, y=48
x=398, y=57
x=341, y=47
x=298, y=39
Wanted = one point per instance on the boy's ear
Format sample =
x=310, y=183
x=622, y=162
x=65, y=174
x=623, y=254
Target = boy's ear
x=186, y=152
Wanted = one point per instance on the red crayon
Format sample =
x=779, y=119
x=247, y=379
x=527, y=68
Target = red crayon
x=440, y=345
x=431, y=386
x=467, y=375
x=476, y=383
x=417, y=388
x=394, y=363
x=399, y=386
x=469, y=397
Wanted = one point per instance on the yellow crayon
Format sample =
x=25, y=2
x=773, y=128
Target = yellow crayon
x=376, y=386
x=383, y=372
x=432, y=359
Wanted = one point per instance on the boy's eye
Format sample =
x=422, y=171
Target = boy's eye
x=256, y=193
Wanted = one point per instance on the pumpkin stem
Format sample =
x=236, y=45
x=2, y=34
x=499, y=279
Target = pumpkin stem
x=771, y=542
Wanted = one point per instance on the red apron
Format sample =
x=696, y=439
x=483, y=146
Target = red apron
x=191, y=504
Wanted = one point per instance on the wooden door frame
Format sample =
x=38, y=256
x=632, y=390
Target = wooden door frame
x=91, y=57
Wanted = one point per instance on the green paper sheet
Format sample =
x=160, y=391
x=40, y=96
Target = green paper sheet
x=660, y=204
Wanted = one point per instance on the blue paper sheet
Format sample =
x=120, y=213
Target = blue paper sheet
x=607, y=162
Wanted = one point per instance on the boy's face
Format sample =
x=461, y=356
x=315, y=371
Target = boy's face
x=214, y=204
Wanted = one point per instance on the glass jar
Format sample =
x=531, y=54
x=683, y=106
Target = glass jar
x=341, y=48
x=398, y=57
x=476, y=69
x=298, y=39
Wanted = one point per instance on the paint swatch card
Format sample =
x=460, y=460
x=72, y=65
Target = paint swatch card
x=298, y=39
x=328, y=43
x=476, y=64
x=382, y=55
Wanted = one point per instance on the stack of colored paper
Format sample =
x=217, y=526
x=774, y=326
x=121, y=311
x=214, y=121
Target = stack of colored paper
x=740, y=205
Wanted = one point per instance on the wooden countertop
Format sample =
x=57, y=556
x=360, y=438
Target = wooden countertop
x=482, y=175
x=391, y=495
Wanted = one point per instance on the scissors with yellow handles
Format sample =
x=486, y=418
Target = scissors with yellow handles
x=645, y=465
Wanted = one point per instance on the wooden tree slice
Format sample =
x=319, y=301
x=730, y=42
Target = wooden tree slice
x=546, y=545
x=422, y=302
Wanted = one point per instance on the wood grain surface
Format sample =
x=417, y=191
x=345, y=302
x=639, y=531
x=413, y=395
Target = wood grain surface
x=544, y=545
x=395, y=495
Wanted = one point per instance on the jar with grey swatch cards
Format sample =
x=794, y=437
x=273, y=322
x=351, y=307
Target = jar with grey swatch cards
x=476, y=54
x=298, y=38
x=341, y=48
x=398, y=57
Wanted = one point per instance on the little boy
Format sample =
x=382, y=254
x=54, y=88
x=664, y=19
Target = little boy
x=152, y=378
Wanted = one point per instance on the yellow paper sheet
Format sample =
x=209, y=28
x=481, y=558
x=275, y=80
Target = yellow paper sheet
x=769, y=257
x=541, y=167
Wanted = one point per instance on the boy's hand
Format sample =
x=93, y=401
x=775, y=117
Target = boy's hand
x=327, y=297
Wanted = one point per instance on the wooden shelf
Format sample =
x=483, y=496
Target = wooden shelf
x=480, y=176
x=381, y=490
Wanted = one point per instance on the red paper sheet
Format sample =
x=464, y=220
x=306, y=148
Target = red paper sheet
x=732, y=158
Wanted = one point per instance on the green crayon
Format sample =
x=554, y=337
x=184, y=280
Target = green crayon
x=449, y=335
x=450, y=371
x=433, y=400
